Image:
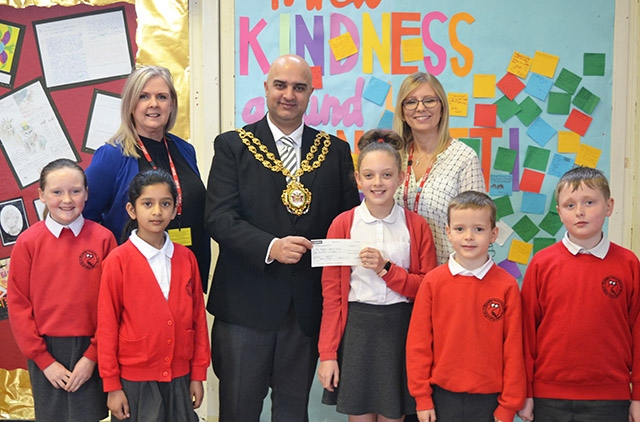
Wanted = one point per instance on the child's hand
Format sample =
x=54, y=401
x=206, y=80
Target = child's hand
x=118, y=404
x=426, y=415
x=329, y=374
x=372, y=259
x=57, y=375
x=526, y=413
x=196, y=391
x=634, y=411
x=81, y=373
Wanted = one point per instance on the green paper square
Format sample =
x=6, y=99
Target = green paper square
x=540, y=243
x=553, y=204
x=506, y=108
x=525, y=228
x=503, y=204
x=551, y=223
x=536, y=158
x=530, y=111
x=593, y=64
x=473, y=143
x=568, y=81
x=585, y=100
x=559, y=103
x=505, y=159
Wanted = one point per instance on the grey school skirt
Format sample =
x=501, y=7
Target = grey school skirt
x=373, y=375
x=88, y=404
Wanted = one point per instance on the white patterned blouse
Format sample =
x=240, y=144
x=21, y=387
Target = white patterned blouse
x=456, y=169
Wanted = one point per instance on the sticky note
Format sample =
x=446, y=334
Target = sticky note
x=568, y=141
x=551, y=223
x=458, y=132
x=503, y=204
x=506, y=108
x=500, y=184
x=585, y=100
x=593, y=64
x=519, y=65
x=386, y=120
x=458, y=103
x=316, y=77
x=536, y=158
x=588, y=156
x=560, y=164
x=474, y=143
x=529, y=111
x=485, y=115
x=343, y=46
x=504, y=231
x=540, y=243
x=541, y=131
x=484, y=86
x=533, y=203
x=531, y=181
x=539, y=86
x=568, y=81
x=412, y=50
x=510, y=267
x=520, y=252
x=510, y=85
x=525, y=228
x=559, y=103
x=505, y=159
x=544, y=64
x=578, y=122
x=376, y=91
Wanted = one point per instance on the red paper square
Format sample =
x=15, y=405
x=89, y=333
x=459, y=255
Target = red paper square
x=485, y=115
x=531, y=181
x=578, y=122
x=510, y=85
x=316, y=77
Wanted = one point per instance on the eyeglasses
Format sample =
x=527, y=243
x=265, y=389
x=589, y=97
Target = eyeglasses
x=427, y=102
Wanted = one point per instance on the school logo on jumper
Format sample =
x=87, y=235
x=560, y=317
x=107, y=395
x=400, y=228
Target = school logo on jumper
x=189, y=287
x=493, y=309
x=612, y=287
x=89, y=259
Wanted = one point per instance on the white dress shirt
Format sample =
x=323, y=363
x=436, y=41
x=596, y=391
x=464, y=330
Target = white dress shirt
x=159, y=260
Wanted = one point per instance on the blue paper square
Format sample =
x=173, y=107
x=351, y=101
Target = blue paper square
x=560, y=164
x=541, y=131
x=539, y=86
x=376, y=91
x=386, y=120
x=533, y=203
x=501, y=184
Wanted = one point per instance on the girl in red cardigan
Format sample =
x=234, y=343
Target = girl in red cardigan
x=153, y=343
x=52, y=296
x=366, y=308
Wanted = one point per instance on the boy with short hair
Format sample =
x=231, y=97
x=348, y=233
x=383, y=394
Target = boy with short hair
x=464, y=346
x=581, y=303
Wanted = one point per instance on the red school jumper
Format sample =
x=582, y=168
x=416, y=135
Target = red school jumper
x=581, y=328
x=53, y=287
x=141, y=335
x=336, y=281
x=465, y=336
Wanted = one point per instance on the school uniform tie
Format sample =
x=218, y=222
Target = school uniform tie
x=288, y=155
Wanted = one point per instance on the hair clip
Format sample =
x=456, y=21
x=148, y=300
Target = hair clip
x=380, y=140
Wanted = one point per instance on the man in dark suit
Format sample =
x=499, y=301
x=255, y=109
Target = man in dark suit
x=266, y=298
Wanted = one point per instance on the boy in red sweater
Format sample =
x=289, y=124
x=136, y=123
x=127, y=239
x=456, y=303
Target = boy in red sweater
x=464, y=346
x=581, y=302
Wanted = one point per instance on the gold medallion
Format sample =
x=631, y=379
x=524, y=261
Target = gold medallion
x=296, y=198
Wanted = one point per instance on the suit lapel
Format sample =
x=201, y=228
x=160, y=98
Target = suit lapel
x=266, y=137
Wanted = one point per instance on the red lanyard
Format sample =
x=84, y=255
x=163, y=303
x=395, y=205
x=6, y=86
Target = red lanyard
x=407, y=178
x=174, y=173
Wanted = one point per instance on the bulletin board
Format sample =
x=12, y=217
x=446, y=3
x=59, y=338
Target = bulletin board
x=529, y=85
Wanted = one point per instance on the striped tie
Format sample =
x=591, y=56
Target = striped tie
x=288, y=155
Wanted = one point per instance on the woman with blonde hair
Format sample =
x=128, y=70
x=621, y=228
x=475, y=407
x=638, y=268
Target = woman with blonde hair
x=438, y=167
x=148, y=112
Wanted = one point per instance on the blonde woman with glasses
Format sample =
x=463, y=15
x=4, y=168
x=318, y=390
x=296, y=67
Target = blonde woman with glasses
x=438, y=167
